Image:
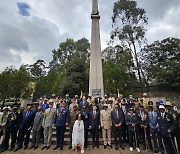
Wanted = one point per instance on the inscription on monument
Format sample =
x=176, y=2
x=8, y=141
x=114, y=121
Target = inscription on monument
x=96, y=92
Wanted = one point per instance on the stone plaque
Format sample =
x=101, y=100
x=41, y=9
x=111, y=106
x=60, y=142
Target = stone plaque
x=96, y=92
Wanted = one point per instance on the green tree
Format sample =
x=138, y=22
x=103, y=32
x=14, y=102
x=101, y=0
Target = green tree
x=128, y=27
x=15, y=83
x=68, y=69
x=161, y=62
x=118, y=70
x=37, y=69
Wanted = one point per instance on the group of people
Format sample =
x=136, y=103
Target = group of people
x=129, y=120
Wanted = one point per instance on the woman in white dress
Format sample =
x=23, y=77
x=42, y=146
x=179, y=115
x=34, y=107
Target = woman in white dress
x=78, y=135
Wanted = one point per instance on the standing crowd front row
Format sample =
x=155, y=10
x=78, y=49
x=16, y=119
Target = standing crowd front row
x=139, y=123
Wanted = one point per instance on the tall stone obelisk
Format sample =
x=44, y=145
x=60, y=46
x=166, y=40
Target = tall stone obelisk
x=96, y=85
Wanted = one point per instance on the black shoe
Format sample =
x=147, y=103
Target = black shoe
x=122, y=147
x=35, y=147
x=85, y=146
x=116, y=147
x=143, y=148
x=61, y=148
x=105, y=146
x=47, y=147
x=110, y=145
x=4, y=149
x=97, y=146
x=44, y=147
x=18, y=148
x=31, y=147
x=70, y=147
x=11, y=149
x=55, y=148
x=25, y=147
x=93, y=146
x=155, y=151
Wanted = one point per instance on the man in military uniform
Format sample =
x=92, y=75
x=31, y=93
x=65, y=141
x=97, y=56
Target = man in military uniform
x=3, y=120
x=106, y=124
x=169, y=109
x=47, y=124
x=72, y=119
x=145, y=99
x=166, y=128
x=61, y=121
x=11, y=130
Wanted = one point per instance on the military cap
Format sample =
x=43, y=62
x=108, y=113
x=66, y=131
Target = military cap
x=161, y=107
x=168, y=103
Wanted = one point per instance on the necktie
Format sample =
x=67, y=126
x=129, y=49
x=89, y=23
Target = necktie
x=162, y=115
x=94, y=114
x=152, y=115
x=117, y=115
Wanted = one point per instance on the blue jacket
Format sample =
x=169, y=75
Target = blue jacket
x=44, y=106
x=62, y=117
x=165, y=124
x=27, y=119
x=152, y=120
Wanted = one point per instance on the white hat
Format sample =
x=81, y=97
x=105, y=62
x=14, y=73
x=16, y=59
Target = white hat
x=5, y=108
x=9, y=108
x=67, y=95
x=161, y=107
x=144, y=94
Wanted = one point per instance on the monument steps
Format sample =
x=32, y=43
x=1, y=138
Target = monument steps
x=67, y=137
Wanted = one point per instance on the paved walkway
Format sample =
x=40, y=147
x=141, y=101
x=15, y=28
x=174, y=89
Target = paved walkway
x=101, y=150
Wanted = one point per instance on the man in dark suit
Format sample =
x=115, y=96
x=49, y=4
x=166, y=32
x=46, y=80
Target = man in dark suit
x=93, y=102
x=98, y=99
x=25, y=128
x=143, y=125
x=36, y=128
x=85, y=116
x=117, y=117
x=83, y=102
x=122, y=107
x=153, y=128
x=61, y=121
x=67, y=100
x=94, y=125
x=166, y=128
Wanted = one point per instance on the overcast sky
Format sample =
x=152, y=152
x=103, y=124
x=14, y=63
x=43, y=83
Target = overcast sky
x=30, y=29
